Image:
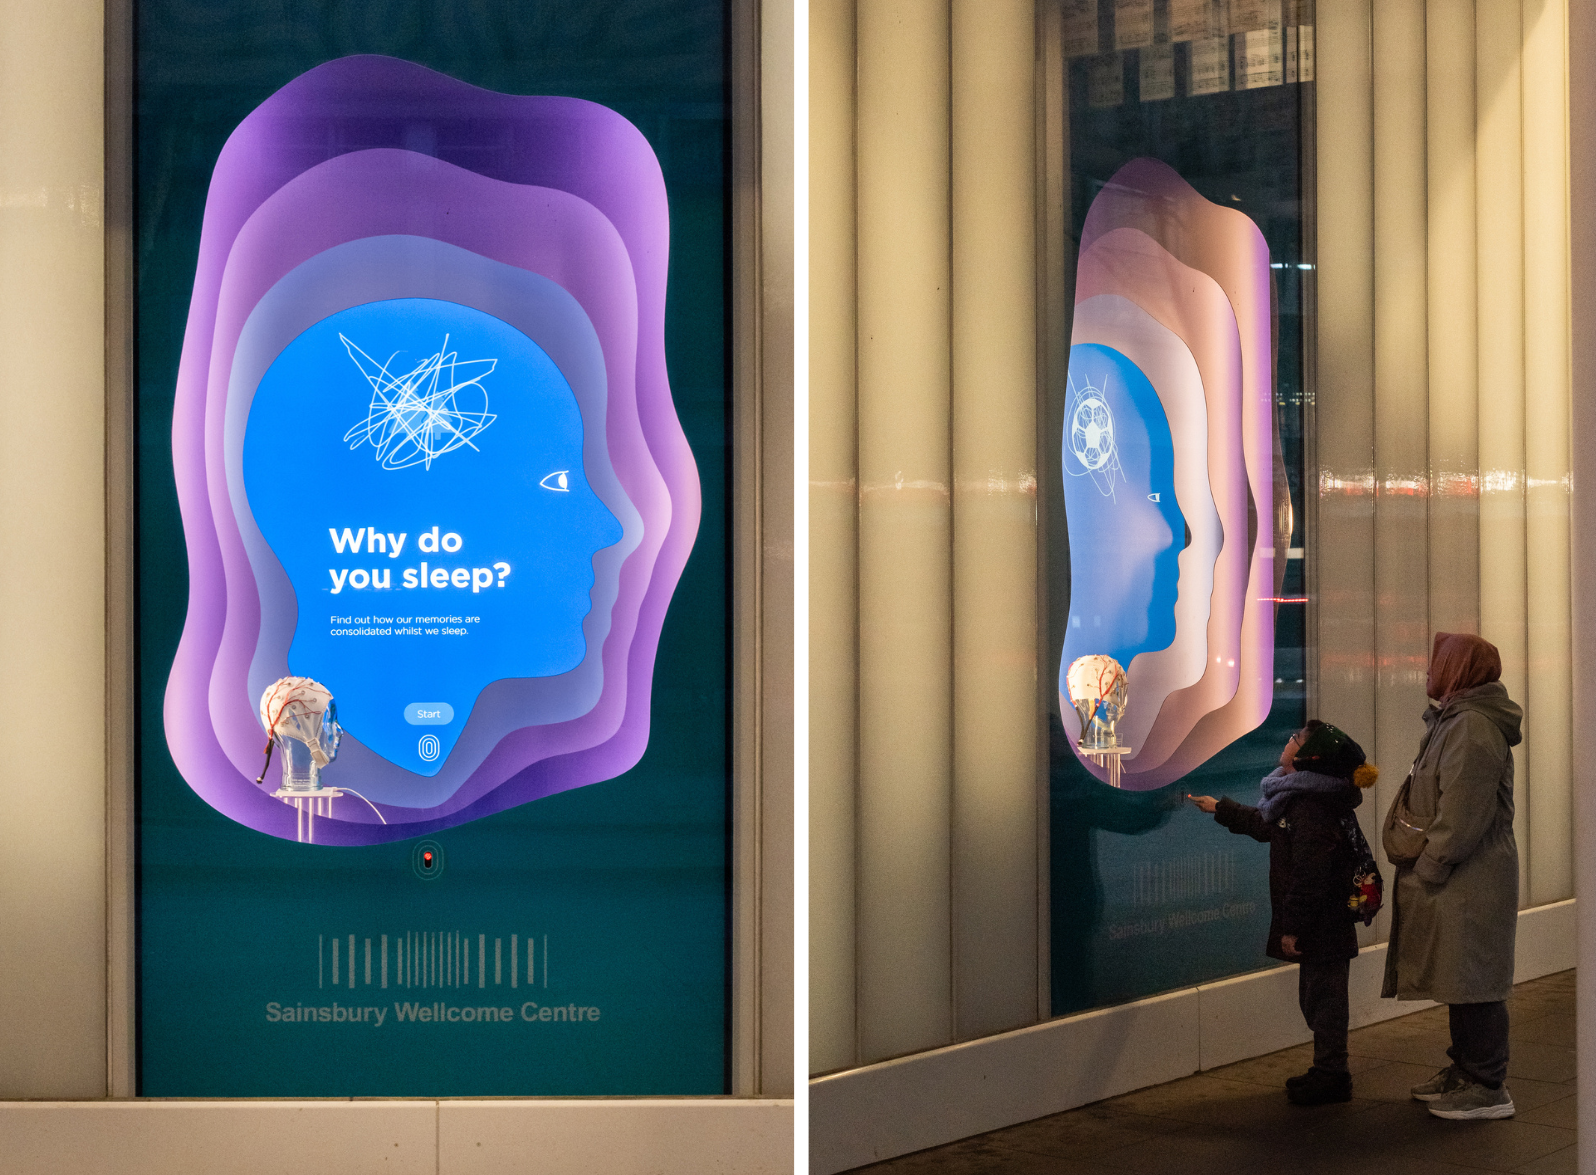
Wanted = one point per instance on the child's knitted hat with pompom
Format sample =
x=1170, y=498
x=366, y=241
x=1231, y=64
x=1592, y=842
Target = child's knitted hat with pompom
x=1329, y=750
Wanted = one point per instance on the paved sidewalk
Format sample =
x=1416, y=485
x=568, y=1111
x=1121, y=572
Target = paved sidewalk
x=1236, y=1119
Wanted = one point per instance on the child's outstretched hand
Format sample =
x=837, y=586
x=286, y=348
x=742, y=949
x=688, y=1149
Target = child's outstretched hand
x=1205, y=803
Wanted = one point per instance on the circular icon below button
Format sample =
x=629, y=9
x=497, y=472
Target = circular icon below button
x=429, y=748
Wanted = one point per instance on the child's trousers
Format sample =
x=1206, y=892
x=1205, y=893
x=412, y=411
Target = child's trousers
x=1322, y=996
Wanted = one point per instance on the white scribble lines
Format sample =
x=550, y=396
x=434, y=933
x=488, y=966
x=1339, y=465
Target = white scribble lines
x=418, y=416
x=1089, y=435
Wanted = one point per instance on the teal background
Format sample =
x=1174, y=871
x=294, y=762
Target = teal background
x=628, y=878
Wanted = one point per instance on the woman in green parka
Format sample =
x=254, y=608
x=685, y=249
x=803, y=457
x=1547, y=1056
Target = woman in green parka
x=1455, y=912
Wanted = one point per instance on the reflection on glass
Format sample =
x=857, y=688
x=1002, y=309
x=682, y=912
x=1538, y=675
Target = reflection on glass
x=1143, y=897
x=1168, y=413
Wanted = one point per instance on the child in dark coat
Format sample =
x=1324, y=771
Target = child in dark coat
x=1318, y=781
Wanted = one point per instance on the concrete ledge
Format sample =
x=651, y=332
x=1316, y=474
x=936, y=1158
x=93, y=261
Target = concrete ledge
x=881, y=1111
x=721, y=1137
x=1550, y=948
x=1248, y=1016
x=642, y=1136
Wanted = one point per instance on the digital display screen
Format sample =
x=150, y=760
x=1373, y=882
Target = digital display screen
x=433, y=418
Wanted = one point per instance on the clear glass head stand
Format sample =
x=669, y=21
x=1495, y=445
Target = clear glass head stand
x=1099, y=693
x=301, y=719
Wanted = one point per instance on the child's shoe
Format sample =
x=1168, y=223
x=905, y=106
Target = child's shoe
x=1319, y=1087
x=1474, y=1102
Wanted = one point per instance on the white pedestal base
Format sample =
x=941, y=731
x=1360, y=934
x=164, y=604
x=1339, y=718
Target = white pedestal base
x=1108, y=757
x=309, y=805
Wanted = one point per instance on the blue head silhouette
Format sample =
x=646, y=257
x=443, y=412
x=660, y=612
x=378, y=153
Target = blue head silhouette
x=416, y=467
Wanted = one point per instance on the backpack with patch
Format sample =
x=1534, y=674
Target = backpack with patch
x=1367, y=886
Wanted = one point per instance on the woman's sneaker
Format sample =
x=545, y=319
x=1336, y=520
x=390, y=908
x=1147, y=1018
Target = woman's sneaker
x=1472, y=1102
x=1448, y=1080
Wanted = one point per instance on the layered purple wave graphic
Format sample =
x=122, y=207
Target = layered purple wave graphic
x=560, y=227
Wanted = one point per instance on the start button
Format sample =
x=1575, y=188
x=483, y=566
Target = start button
x=429, y=713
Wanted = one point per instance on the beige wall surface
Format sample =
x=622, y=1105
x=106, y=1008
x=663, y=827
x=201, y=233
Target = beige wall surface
x=1582, y=432
x=833, y=538
x=1443, y=394
x=52, y=551
x=905, y=528
x=925, y=900
x=1341, y=517
x=1547, y=457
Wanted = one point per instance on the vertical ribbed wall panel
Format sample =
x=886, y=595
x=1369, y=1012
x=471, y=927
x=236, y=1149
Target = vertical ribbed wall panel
x=1468, y=302
x=995, y=718
x=1454, y=514
x=1342, y=584
x=1401, y=384
x=833, y=537
x=905, y=529
x=1581, y=60
x=1500, y=244
x=52, y=550
x=1548, y=696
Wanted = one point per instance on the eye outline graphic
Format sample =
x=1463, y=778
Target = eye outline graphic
x=565, y=484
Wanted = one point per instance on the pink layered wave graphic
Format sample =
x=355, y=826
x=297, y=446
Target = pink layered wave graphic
x=1182, y=287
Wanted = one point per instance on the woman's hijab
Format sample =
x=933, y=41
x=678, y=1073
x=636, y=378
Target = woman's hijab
x=1460, y=661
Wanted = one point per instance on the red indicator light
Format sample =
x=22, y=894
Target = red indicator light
x=426, y=859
